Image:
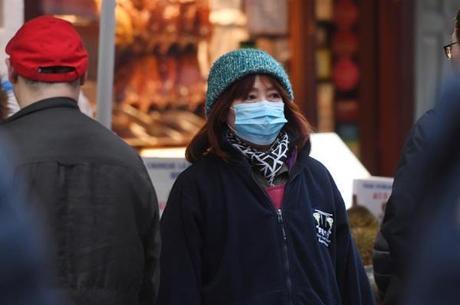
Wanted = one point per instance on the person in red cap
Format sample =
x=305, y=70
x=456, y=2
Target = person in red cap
x=95, y=194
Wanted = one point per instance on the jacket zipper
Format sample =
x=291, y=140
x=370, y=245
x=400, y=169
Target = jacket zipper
x=280, y=219
x=286, y=257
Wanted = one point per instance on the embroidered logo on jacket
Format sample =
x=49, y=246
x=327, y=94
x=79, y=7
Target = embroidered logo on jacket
x=324, y=225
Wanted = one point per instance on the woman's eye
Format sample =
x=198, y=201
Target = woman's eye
x=275, y=95
x=252, y=97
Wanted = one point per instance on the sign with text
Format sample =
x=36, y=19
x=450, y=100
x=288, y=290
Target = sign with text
x=163, y=172
x=373, y=193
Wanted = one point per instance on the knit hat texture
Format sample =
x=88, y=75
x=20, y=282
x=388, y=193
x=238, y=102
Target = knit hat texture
x=237, y=64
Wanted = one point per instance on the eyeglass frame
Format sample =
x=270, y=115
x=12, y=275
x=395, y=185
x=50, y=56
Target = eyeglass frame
x=448, y=49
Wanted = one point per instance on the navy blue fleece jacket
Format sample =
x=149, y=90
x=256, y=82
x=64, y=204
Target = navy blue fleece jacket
x=225, y=243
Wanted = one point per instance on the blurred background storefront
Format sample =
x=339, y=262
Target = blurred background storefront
x=365, y=69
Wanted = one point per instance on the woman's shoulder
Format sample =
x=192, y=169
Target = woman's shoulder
x=313, y=165
x=315, y=171
x=319, y=170
x=305, y=160
x=204, y=167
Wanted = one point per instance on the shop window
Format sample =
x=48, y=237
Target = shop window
x=164, y=49
x=337, y=69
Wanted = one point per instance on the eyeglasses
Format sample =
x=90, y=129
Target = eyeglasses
x=448, y=49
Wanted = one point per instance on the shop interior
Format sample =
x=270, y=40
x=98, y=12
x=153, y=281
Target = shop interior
x=333, y=50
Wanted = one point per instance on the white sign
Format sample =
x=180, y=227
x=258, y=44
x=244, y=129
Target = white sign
x=329, y=149
x=373, y=193
x=163, y=172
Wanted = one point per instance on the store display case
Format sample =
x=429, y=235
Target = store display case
x=164, y=49
x=159, y=83
x=349, y=62
x=161, y=61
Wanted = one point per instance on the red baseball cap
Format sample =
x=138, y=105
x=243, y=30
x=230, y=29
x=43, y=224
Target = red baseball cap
x=48, y=49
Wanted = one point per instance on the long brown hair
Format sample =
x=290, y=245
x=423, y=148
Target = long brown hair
x=207, y=140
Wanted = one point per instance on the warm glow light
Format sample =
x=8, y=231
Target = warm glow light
x=178, y=152
x=74, y=19
x=69, y=18
x=227, y=17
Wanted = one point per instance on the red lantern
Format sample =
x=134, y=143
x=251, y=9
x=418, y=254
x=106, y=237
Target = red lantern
x=345, y=75
x=345, y=43
x=345, y=14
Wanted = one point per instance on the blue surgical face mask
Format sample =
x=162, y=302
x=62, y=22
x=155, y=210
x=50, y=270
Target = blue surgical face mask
x=260, y=122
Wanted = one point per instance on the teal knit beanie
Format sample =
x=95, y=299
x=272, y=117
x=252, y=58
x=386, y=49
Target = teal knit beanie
x=237, y=64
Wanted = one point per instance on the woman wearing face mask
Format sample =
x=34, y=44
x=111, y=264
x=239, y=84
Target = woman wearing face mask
x=255, y=220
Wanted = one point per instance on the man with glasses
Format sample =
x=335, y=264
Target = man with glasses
x=393, y=249
x=448, y=49
x=452, y=50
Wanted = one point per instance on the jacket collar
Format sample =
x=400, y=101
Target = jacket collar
x=236, y=158
x=55, y=102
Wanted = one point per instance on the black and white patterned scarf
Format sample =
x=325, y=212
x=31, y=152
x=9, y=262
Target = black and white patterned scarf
x=269, y=162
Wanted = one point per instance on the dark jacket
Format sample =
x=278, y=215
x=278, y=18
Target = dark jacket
x=224, y=242
x=434, y=271
x=97, y=200
x=389, y=265
x=435, y=266
x=424, y=163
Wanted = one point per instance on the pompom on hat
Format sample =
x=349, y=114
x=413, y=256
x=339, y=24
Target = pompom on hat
x=48, y=49
x=237, y=64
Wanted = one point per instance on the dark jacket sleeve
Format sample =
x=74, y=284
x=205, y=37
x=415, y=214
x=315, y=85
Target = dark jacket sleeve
x=436, y=275
x=351, y=276
x=383, y=267
x=182, y=239
x=152, y=248
x=393, y=239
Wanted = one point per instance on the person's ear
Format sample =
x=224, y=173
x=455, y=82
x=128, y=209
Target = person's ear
x=12, y=75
